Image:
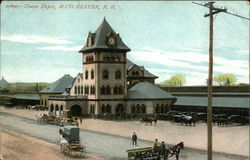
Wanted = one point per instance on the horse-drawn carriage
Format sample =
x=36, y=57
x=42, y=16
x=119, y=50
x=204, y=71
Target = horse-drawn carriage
x=155, y=153
x=67, y=119
x=70, y=141
x=149, y=120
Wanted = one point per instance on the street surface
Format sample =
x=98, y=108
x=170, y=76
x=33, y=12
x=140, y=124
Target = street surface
x=99, y=144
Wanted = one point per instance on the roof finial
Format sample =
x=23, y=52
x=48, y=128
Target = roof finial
x=104, y=19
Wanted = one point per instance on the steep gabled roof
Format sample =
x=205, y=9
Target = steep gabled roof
x=130, y=65
x=100, y=38
x=146, y=90
x=60, y=85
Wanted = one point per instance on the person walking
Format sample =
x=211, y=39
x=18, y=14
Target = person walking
x=163, y=150
x=155, y=144
x=134, y=139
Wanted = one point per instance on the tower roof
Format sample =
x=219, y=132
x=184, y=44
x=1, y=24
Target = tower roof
x=60, y=85
x=100, y=40
x=3, y=81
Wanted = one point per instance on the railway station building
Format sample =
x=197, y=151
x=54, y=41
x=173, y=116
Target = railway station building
x=109, y=85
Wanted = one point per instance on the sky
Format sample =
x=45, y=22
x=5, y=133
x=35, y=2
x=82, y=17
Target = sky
x=41, y=44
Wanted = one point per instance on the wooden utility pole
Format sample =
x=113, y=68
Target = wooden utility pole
x=212, y=11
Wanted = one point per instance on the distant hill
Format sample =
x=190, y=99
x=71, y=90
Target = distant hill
x=27, y=87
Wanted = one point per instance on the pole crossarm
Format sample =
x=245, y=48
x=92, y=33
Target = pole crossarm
x=224, y=10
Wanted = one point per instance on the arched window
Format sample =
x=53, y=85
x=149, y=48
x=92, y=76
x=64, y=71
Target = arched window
x=117, y=59
x=103, y=108
x=157, y=108
x=86, y=74
x=108, y=90
x=105, y=74
x=166, y=108
x=143, y=108
x=162, y=108
x=120, y=90
x=108, y=108
x=91, y=59
x=103, y=90
x=61, y=107
x=138, y=108
x=93, y=90
x=92, y=74
x=57, y=108
x=105, y=58
x=81, y=89
x=115, y=90
x=112, y=58
x=51, y=108
x=75, y=89
x=133, y=108
x=87, y=88
x=118, y=74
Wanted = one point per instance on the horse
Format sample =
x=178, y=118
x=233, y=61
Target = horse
x=149, y=120
x=175, y=150
x=189, y=120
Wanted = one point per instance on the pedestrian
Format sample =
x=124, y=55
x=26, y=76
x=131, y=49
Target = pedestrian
x=163, y=150
x=81, y=120
x=134, y=139
x=155, y=144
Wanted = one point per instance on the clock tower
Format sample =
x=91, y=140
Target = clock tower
x=104, y=59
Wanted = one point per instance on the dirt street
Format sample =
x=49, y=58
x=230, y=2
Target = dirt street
x=20, y=147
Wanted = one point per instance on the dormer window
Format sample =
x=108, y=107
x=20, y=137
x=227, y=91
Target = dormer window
x=90, y=40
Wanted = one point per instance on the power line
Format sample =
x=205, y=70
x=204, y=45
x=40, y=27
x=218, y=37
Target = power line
x=223, y=10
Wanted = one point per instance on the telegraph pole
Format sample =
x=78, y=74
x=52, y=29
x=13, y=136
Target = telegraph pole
x=212, y=10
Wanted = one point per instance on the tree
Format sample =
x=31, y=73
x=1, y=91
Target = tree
x=225, y=79
x=175, y=80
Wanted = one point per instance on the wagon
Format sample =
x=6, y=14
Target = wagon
x=151, y=153
x=70, y=141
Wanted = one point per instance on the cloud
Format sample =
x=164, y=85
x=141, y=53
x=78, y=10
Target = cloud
x=62, y=48
x=193, y=64
x=34, y=39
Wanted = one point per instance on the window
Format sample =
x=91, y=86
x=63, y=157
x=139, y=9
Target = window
x=51, y=108
x=138, y=108
x=78, y=90
x=103, y=108
x=118, y=75
x=120, y=90
x=75, y=89
x=92, y=74
x=108, y=90
x=81, y=89
x=61, y=107
x=162, y=108
x=105, y=74
x=86, y=74
x=143, y=108
x=92, y=90
x=92, y=109
x=91, y=58
x=117, y=59
x=103, y=89
x=106, y=58
x=86, y=88
x=115, y=90
x=108, y=108
x=133, y=108
x=157, y=108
